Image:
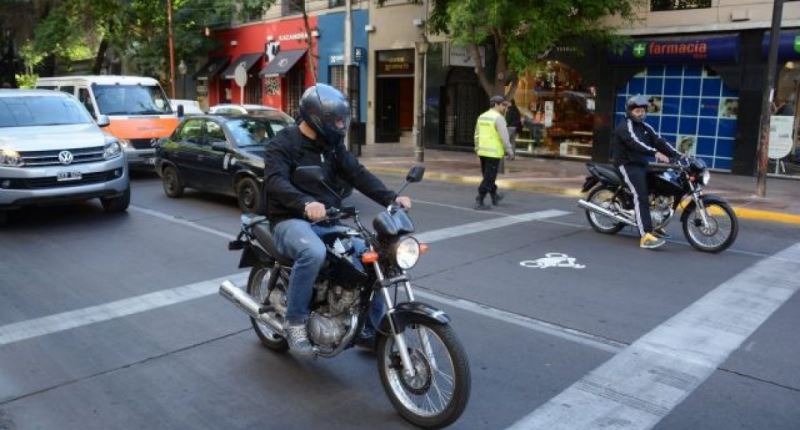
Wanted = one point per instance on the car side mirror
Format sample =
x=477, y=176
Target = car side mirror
x=219, y=146
x=415, y=174
x=180, y=111
x=103, y=121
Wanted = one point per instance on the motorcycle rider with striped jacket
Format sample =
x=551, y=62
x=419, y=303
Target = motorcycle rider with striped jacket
x=634, y=142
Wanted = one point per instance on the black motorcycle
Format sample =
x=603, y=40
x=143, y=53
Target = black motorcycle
x=709, y=223
x=422, y=365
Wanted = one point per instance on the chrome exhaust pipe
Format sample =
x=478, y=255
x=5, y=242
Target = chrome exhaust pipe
x=246, y=303
x=597, y=209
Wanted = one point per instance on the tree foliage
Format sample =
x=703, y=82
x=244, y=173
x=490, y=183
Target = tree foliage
x=523, y=31
x=136, y=30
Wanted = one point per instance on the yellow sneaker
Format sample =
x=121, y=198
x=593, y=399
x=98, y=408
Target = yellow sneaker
x=650, y=241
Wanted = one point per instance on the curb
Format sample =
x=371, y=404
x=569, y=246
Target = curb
x=510, y=184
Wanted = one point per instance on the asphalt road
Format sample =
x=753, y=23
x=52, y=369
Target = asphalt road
x=92, y=336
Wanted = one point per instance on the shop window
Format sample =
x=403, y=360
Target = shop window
x=557, y=109
x=291, y=7
x=337, y=81
x=662, y=5
x=693, y=110
x=785, y=153
x=294, y=90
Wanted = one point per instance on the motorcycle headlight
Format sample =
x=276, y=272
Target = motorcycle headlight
x=112, y=150
x=406, y=252
x=705, y=178
x=11, y=158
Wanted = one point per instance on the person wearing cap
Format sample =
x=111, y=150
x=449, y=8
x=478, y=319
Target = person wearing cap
x=634, y=141
x=492, y=144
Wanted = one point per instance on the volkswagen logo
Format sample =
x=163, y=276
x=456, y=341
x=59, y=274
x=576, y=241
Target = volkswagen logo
x=65, y=157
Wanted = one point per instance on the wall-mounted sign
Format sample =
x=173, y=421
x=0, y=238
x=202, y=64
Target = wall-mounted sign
x=400, y=62
x=722, y=49
x=293, y=36
x=462, y=56
x=788, y=45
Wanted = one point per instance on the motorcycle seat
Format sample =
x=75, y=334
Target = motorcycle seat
x=606, y=172
x=264, y=236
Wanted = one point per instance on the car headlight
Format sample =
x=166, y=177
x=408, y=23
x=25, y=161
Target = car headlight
x=11, y=158
x=125, y=143
x=705, y=178
x=112, y=150
x=406, y=252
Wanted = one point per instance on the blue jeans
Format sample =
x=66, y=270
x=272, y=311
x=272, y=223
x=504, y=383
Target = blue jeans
x=300, y=241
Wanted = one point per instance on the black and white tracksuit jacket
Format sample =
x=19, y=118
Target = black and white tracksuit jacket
x=633, y=143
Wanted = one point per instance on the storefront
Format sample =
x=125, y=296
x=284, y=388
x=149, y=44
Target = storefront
x=784, y=148
x=275, y=55
x=208, y=81
x=394, y=94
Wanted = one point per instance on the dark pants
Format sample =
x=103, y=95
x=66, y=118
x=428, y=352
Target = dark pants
x=489, y=168
x=636, y=179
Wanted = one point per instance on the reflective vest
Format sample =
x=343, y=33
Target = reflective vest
x=489, y=142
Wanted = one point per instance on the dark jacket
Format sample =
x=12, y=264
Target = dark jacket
x=287, y=151
x=513, y=117
x=634, y=142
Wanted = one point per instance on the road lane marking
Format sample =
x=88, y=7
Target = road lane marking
x=572, y=335
x=50, y=324
x=72, y=319
x=642, y=384
x=181, y=221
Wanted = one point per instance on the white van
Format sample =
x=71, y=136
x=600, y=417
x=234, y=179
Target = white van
x=137, y=107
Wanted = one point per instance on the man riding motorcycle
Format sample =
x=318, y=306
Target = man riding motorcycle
x=297, y=216
x=633, y=143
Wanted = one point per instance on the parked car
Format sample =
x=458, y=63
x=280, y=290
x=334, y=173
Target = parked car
x=255, y=110
x=51, y=150
x=190, y=107
x=219, y=154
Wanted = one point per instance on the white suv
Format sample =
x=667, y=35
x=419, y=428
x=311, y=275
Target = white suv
x=51, y=150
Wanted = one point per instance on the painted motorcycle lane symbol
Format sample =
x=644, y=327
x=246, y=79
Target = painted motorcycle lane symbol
x=552, y=259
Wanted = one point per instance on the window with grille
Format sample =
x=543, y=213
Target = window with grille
x=337, y=81
x=295, y=86
x=661, y=5
x=252, y=91
x=292, y=7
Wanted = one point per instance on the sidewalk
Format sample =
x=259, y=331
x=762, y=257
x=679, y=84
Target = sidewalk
x=565, y=177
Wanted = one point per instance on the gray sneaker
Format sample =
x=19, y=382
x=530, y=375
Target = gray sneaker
x=298, y=339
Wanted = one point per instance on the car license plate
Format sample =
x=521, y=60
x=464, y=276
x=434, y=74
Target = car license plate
x=69, y=176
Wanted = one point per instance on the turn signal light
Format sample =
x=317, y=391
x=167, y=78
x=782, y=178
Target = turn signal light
x=369, y=257
x=423, y=248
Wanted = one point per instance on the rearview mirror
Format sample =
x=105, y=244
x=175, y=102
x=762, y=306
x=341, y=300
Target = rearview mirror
x=416, y=173
x=219, y=146
x=103, y=121
x=311, y=179
x=180, y=111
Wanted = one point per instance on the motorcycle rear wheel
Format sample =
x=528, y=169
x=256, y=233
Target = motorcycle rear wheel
x=603, y=197
x=443, y=383
x=720, y=233
x=257, y=289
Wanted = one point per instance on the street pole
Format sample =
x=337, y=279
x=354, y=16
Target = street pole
x=419, y=148
x=171, y=49
x=348, y=59
x=766, y=99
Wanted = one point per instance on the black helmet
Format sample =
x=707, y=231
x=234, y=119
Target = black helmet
x=637, y=101
x=326, y=110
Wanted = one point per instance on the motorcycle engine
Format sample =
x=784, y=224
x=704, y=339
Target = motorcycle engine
x=329, y=323
x=661, y=209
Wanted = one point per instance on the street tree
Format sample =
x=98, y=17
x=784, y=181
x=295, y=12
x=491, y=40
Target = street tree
x=523, y=31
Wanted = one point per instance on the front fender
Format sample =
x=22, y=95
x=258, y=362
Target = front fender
x=408, y=313
x=708, y=198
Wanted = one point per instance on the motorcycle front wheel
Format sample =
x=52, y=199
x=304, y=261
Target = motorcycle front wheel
x=718, y=234
x=436, y=395
x=603, y=197
x=257, y=285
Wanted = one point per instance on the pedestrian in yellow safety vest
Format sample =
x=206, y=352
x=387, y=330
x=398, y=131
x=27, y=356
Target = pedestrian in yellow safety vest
x=491, y=144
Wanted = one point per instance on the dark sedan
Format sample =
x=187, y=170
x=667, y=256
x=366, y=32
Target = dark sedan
x=219, y=154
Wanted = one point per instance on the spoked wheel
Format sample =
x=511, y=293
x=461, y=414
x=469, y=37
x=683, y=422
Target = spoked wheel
x=604, y=198
x=717, y=234
x=257, y=288
x=438, y=391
